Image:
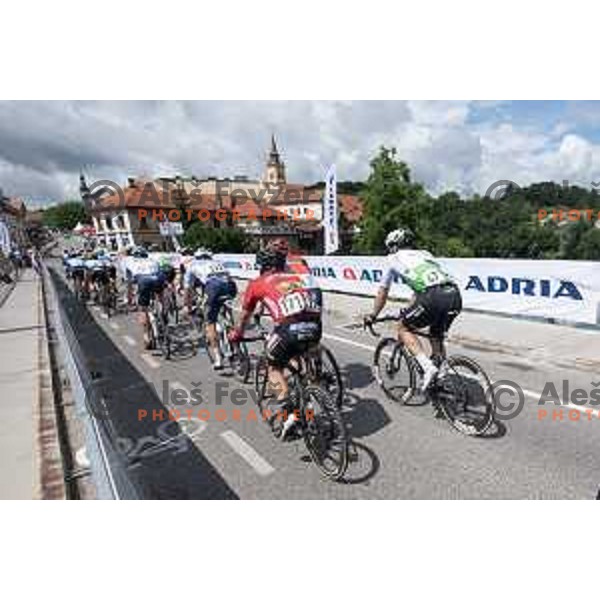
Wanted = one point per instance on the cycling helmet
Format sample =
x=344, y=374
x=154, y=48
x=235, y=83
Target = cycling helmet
x=397, y=239
x=164, y=263
x=271, y=258
x=203, y=254
x=279, y=245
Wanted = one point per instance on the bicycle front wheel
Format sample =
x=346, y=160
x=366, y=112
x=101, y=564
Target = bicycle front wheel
x=394, y=371
x=324, y=431
x=464, y=393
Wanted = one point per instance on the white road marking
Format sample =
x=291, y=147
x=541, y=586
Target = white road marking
x=150, y=360
x=129, y=340
x=344, y=340
x=179, y=385
x=114, y=326
x=248, y=453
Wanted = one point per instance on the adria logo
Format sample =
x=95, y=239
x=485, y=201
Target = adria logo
x=521, y=286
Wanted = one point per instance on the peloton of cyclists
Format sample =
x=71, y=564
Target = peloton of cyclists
x=217, y=287
x=435, y=304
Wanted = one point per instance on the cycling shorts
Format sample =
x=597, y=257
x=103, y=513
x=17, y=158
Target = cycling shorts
x=217, y=291
x=289, y=340
x=436, y=308
x=147, y=285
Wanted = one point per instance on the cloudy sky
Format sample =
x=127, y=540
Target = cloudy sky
x=464, y=146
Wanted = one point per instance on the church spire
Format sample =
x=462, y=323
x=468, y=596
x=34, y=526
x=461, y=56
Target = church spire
x=274, y=154
x=275, y=172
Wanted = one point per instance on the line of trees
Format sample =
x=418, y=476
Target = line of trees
x=476, y=226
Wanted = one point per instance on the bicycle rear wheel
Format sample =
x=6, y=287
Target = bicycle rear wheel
x=323, y=431
x=393, y=371
x=464, y=394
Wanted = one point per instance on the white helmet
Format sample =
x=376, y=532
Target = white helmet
x=397, y=238
x=203, y=254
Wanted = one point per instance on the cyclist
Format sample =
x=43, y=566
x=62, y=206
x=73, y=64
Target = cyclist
x=217, y=287
x=435, y=304
x=75, y=269
x=146, y=273
x=294, y=303
x=95, y=274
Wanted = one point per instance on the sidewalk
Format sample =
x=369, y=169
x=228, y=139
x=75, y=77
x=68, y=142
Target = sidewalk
x=20, y=328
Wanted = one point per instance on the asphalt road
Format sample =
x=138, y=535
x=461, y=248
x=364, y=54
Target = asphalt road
x=398, y=451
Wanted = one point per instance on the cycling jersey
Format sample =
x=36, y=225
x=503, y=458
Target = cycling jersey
x=139, y=267
x=287, y=297
x=75, y=263
x=418, y=269
x=200, y=271
x=93, y=264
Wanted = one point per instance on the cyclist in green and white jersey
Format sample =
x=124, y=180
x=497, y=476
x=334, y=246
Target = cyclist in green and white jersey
x=435, y=304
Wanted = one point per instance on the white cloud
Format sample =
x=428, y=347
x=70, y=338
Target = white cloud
x=44, y=144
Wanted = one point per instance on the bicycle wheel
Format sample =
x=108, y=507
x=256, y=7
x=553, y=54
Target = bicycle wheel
x=393, y=370
x=463, y=392
x=164, y=332
x=323, y=431
x=261, y=380
x=240, y=362
x=325, y=368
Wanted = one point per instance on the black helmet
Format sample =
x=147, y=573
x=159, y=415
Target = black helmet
x=270, y=259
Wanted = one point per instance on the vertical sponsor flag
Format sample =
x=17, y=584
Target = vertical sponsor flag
x=4, y=238
x=330, y=212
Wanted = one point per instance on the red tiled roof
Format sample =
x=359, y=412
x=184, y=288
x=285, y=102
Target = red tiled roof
x=151, y=196
x=141, y=196
x=351, y=207
x=294, y=193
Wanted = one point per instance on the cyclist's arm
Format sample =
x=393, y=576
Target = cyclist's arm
x=248, y=305
x=383, y=292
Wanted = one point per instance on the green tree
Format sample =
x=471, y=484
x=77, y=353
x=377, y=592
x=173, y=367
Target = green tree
x=588, y=247
x=390, y=200
x=230, y=239
x=65, y=216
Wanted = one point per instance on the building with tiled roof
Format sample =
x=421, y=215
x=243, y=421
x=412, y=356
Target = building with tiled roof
x=13, y=214
x=265, y=207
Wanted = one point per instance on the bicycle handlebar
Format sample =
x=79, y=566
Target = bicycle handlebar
x=371, y=326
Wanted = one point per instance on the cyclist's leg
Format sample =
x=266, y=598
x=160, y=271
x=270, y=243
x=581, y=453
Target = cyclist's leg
x=213, y=306
x=445, y=309
x=418, y=316
x=145, y=291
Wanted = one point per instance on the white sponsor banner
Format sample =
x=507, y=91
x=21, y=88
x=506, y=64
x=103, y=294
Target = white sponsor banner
x=330, y=212
x=168, y=228
x=563, y=290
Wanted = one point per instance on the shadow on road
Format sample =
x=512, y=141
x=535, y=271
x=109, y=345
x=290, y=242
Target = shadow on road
x=363, y=416
x=357, y=375
x=159, y=455
x=363, y=464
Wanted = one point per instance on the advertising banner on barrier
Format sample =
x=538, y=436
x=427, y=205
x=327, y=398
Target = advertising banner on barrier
x=563, y=290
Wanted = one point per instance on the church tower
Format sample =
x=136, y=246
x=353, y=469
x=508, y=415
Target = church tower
x=275, y=171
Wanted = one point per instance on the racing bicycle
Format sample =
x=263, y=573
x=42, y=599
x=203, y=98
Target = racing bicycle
x=319, y=419
x=461, y=390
